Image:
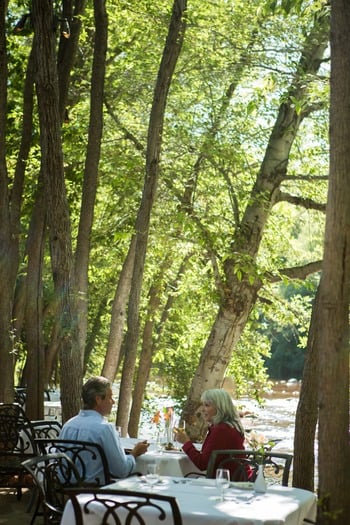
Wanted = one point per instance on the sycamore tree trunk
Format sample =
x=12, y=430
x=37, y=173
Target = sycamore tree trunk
x=332, y=321
x=238, y=290
x=154, y=141
x=58, y=219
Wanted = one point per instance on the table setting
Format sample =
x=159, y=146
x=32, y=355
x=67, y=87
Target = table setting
x=171, y=461
x=203, y=501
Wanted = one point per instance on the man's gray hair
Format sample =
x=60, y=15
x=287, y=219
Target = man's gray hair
x=95, y=386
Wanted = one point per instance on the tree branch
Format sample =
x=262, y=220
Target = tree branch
x=308, y=204
x=295, y=272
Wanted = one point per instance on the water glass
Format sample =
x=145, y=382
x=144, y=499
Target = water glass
x=152, y=476
x=222, y=480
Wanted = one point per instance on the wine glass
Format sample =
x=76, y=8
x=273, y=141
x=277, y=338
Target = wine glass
x=222, y=480
x=152, y=476
x=180, y=427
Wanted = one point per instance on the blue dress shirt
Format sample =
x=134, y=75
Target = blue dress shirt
x=90, y=425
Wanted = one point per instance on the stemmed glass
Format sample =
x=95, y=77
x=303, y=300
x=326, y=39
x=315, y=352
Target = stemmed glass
x=222, y=480
x=180, y=427
x=152, y=476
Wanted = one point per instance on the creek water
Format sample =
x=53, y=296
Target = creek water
x=275, y=419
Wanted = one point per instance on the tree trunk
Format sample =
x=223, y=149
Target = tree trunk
x=147, y=348
x=8, y=233
x=307, y=413
x=332, y=320
x=34, y=312
x=120, y=301
x=68, y=48
x=239, y=289
x=169, y=59
x=58, y=219
x=91, y=170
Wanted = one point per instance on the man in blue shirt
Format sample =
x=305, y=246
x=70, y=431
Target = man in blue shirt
x=91, y=425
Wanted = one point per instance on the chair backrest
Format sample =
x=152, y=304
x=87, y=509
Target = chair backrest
x=46, y=428
x=16, y=435
x=51, y=474
x=20, y=395
x=244, y=465
x=121, y=507
x=16, y=445
x=88, y=457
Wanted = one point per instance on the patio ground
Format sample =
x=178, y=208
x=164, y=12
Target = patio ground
x=14, y=512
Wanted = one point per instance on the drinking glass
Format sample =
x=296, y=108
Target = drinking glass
x=152, y=476
x=180, y=426
x=222, y=480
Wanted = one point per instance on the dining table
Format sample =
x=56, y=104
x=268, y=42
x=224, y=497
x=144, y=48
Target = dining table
x=200, y=503
x=172, y=462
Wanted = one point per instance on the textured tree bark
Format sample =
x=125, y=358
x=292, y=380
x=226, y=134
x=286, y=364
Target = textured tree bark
x=119, y=306
x=154, y=141
x=307, y=413
x=91, y=169
x=240, y=284
x=332, y=322
x=9, y=231
x=58, y=219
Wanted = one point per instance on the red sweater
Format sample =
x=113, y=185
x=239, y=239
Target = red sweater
x=221, y=436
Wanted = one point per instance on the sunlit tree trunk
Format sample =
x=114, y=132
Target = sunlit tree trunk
x=91, y=169
x=238, y=289
x=154, y=141
x=118, y=317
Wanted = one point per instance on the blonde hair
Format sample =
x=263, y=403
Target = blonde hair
x=226, y=412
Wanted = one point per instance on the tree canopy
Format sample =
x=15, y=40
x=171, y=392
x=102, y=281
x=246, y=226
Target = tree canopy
x=163, y=172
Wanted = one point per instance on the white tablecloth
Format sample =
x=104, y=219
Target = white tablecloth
x=53, y=410
x=199, y=504
x=170, y=463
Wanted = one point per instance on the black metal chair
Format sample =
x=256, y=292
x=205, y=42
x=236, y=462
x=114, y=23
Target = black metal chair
x=244, y=463
x=16, y=445
x=124, y=507
x=87, y=457
x=51, y=473
x=46, y=428
x=20, y=395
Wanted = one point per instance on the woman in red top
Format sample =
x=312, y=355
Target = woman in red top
x=225, y=430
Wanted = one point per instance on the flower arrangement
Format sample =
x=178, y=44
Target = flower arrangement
x=259, y=443
x=163, y=419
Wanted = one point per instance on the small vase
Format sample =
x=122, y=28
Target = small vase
x=168, y=434
x=260, y=482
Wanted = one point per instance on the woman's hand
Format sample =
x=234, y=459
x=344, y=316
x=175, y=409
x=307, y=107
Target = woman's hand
x=180, y=436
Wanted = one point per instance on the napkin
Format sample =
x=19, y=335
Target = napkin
x=203, y=481
x=246, y=485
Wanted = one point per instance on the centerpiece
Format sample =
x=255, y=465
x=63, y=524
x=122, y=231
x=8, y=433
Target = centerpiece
x=163, y=419
x=260, y=444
